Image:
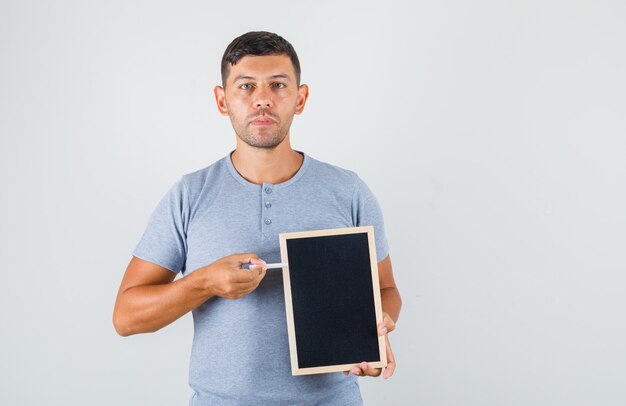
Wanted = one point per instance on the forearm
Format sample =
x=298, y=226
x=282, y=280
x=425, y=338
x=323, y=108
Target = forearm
x=391, y=301
x=145, y=309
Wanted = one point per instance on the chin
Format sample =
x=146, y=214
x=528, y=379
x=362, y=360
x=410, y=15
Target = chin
x=263, y=143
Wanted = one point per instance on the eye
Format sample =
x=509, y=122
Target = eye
x=279, y=85
x=246, y=86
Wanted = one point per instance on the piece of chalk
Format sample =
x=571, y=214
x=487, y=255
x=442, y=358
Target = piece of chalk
x=268, y=266
x=277, y=265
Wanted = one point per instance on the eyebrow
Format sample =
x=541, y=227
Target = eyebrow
x=277, y=76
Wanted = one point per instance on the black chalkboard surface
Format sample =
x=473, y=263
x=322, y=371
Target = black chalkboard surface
x=332, y=299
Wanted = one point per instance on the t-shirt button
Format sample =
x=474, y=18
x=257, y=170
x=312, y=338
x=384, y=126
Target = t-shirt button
x=268, y=221
x=268, y=190
x=268, y=204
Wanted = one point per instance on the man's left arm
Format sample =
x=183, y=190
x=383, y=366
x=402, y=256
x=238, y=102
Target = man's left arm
x=391, y=302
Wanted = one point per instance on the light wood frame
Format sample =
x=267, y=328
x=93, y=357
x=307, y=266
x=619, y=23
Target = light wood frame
x=295, y=369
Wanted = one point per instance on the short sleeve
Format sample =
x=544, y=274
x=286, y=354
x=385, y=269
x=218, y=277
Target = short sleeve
x=164, y=242
x=367, y=212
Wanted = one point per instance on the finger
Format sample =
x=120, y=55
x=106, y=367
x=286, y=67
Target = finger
x=360, y=370
x=242, y=290
x=391, y=367
x=382, y=328
x=257, y=273
x=258, y=277
x=387, y=325
x=262, y=273
x=391, y=324
x=391, y=361
x=258, y=264
x=369, y=370
x=249, y=281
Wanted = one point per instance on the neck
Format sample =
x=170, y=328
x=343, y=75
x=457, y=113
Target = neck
x=262, y=165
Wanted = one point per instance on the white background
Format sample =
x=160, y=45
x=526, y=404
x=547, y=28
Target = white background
x=493, y=134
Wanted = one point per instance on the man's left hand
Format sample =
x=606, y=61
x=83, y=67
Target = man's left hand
x=364, y=369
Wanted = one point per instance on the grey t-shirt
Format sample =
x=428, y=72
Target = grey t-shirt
x=240, y=352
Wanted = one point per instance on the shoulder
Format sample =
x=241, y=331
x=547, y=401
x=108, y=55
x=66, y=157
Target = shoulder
x=199, y=187
x=212, y=175
x=336, y=175
x=341, y=180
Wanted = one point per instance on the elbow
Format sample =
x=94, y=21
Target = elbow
x=121, y=325
x=122, y=332
x=124, y=326
x=122, y=318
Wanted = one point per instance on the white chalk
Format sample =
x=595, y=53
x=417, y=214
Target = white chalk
x=268, y=266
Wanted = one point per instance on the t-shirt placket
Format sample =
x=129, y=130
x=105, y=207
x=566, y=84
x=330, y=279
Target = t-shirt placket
x=268, y=223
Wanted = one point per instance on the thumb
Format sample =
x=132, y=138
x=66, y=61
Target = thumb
x=258, y=263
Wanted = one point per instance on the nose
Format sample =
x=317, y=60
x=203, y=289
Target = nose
x=262, y=99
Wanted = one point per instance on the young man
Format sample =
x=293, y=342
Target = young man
x=229, y=214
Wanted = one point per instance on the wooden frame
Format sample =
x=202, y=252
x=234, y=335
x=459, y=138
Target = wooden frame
x=289, y=272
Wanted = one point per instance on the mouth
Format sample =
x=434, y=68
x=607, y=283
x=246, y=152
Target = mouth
x=262, y=120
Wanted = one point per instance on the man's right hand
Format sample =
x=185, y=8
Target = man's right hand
x=226, y=279
x=150, y=299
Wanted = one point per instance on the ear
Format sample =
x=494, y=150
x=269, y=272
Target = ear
x=303, y=94
x=220, y=100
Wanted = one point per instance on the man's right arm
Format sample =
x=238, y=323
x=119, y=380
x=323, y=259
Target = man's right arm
x=149, y=298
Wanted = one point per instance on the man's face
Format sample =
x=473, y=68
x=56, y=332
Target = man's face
x=261, y=96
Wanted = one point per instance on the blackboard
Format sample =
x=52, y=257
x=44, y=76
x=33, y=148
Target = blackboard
x=332, y=299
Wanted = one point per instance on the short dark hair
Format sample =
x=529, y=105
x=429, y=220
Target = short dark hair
x=258, y=43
